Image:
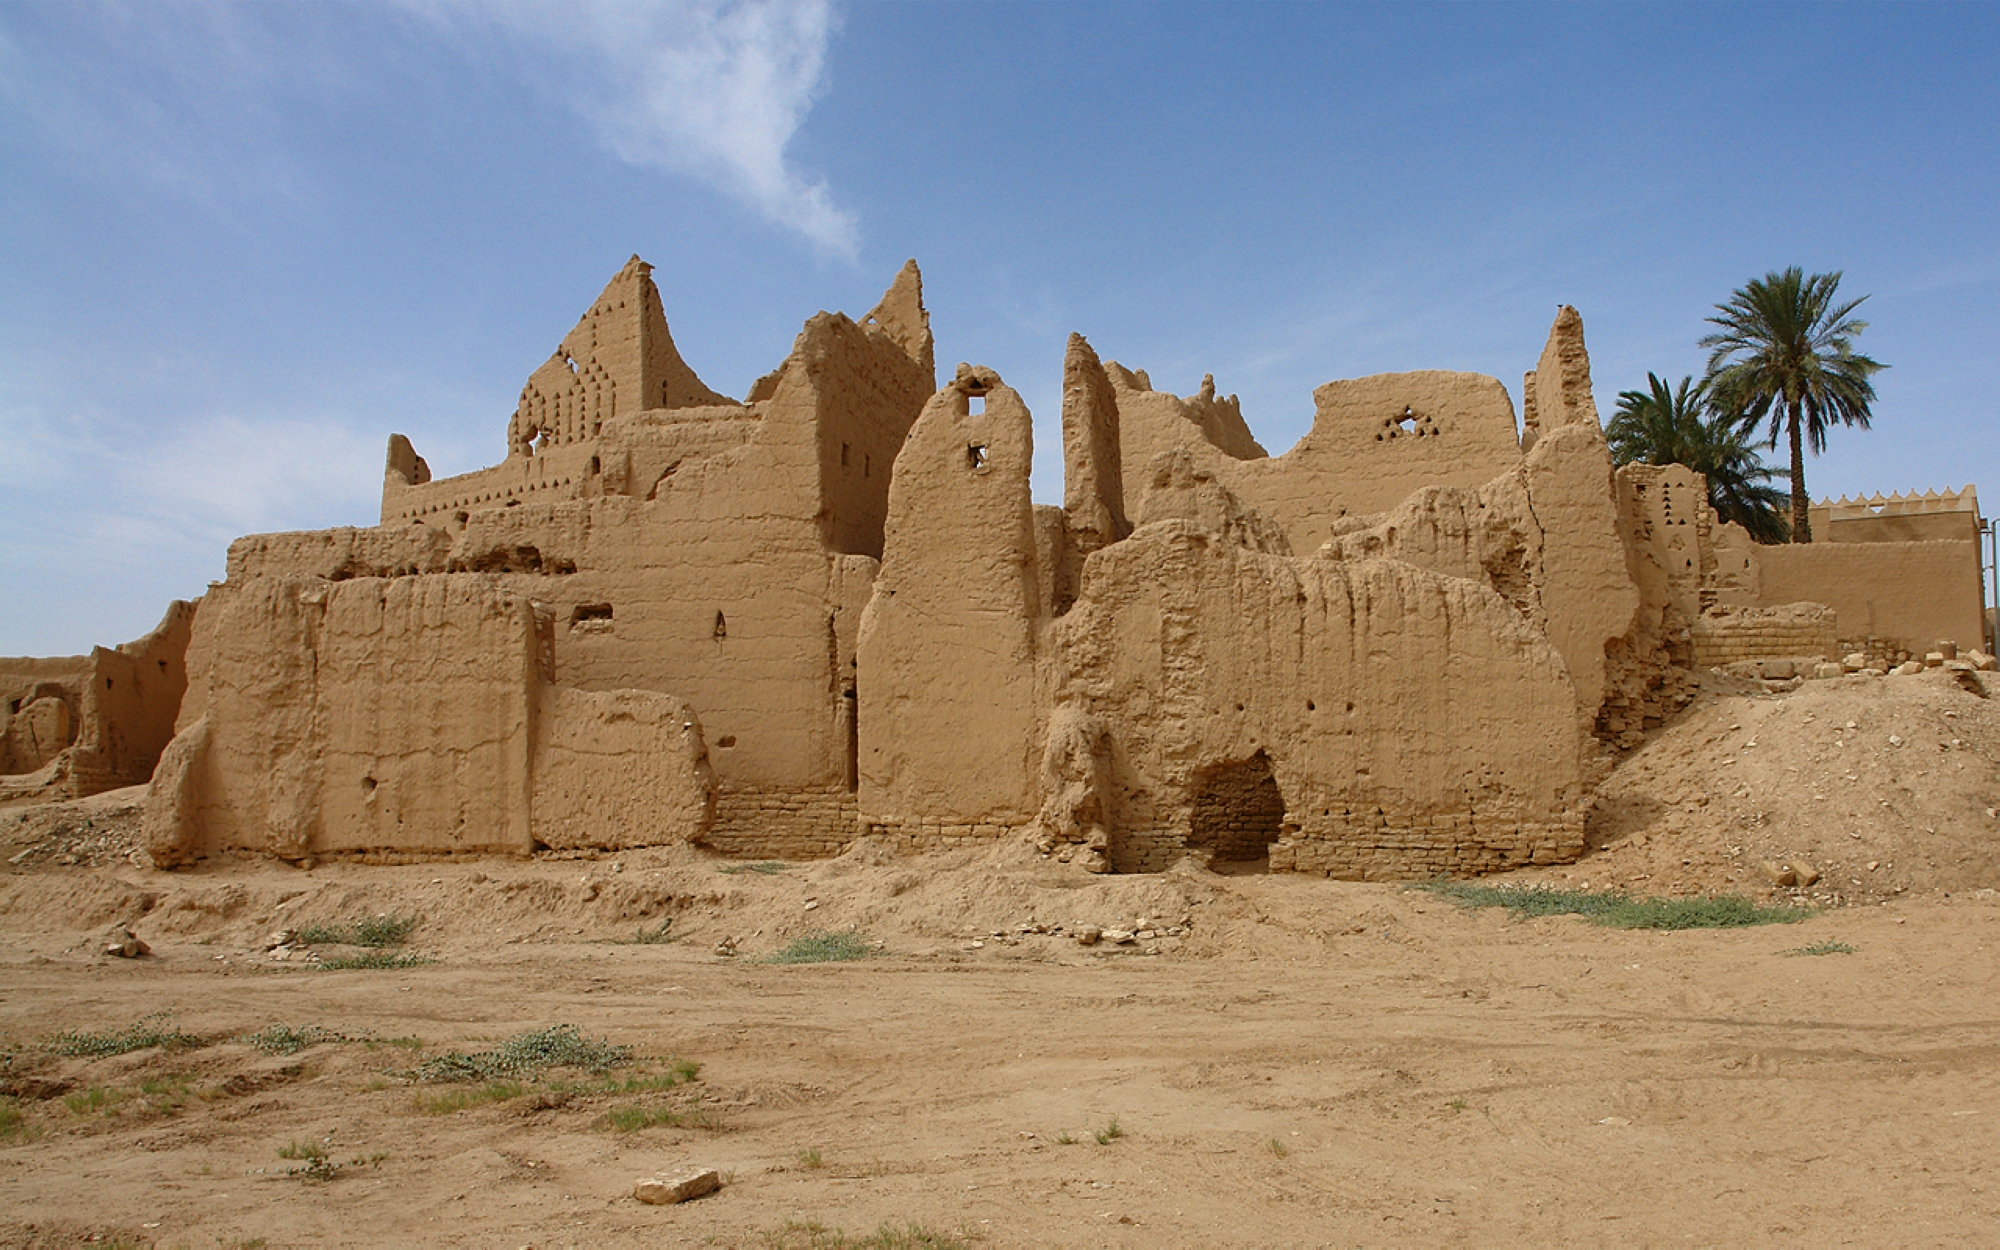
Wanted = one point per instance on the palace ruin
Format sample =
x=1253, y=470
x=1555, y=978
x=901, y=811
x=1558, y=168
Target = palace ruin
x=829, y=610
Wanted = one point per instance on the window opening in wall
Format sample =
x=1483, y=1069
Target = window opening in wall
x=867, y=462
x=594, y=467
x=721, y=626
x=1407, y=423
x=590, y=612
x=843, y=455
x=975, y=405
x=975, y=456
x=13, y=705
x=1238, y=812
x=107, y=683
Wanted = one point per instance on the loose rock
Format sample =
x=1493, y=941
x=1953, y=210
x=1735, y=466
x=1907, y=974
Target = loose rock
x=677, y=1186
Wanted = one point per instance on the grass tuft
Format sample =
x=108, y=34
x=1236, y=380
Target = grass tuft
x=528, y=1055
x=464, y=1099
x=372, y=961
x=654, y=937
x=148, y=1032
x=1276, y=1147
x=376, y=931
x=765, y=867
x=820, y=948
x=1618, y=911
x=1109, y=1133
x=1821, y=948
x=812, y=1235
x=635, y=1116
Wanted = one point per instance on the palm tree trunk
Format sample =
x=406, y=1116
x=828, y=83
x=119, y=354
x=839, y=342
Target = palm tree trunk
x=1801, y=524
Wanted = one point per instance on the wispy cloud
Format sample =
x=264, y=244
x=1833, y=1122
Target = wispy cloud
x=716, y=91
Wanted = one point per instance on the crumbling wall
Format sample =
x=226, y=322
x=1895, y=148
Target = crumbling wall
x=1727, y=636
x=950, y=730
x=1373, y=442
x=409, y=716
x=81, y=725
x=1414, y=722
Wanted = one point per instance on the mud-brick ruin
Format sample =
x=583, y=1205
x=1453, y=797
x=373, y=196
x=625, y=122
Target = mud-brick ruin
x=832, y=610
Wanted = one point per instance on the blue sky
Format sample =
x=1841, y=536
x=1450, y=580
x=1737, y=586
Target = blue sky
x=239, y=246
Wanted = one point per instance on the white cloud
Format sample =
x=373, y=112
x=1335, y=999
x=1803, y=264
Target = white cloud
x=716, y=91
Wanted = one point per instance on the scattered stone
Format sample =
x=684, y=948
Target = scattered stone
x=1829, y=670
x=1909, y=668
x=1895, y=740
x=1807, y=874
x=677, y=1186
x=126, y=945
x=1088, y=935
x=727, y=946
x=1778, y=874
x=1120, y=937
x=1947, y=649
x=1854, y=662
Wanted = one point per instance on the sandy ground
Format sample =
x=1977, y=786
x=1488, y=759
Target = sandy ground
x=1303, y=1063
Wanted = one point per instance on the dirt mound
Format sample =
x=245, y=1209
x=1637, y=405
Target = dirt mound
x=1882, y=786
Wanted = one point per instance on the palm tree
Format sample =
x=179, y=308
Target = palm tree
x=1786, y=351
x=1661, y=425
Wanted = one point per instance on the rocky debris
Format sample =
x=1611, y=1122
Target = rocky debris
x=1778, y=874
x=1088, y=935
x=727, y=946
x=679, y=1185
x=126, y=945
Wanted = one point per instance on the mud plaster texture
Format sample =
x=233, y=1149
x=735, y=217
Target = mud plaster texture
x=1413, y=644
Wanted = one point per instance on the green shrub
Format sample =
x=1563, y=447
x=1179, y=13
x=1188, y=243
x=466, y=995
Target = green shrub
x=820, y=948
x=376, y=931
x=528, y=1055
x=1619, y=911
x=148, y=1032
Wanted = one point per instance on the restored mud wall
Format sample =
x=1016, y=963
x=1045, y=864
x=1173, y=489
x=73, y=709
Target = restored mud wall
x=1906, y=595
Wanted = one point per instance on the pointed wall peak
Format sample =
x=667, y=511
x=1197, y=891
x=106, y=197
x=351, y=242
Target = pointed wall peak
x=902, y=316
x=1562, y=378
x=620, y=359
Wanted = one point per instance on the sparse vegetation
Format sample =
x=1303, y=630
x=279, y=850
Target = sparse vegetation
x=375, y=931
x=147, y=1032
x=656, y=936
x=316, y=1163
x=765, y=867
x=527, y=1055
x=812, y=1235
x=1109, y=1133
x=12, y=1125
x=371, y=961
x=1065, y=1139
x=463, y=1099
x=1276, y=1147
x=811, y=1159
x=1821, y=948
x=822, y=947
x=1619, y=911
x=635, y=1116
x=285, y=1039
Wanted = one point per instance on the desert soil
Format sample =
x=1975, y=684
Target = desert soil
x=1288, y=1061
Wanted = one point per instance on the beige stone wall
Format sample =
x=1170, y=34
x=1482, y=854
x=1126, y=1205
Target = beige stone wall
x=1909, y=595
x=1932, y=516
x=1732, y=635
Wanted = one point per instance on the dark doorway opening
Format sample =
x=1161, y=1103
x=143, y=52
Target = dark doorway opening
x=1238, y=813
